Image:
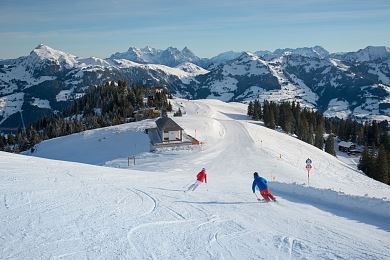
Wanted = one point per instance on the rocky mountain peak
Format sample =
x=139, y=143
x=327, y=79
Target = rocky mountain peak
x=368, y=54
x=43, y=55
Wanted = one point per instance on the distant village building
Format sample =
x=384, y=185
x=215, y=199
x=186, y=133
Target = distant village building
x=145, y=113
x=346, y=146
x=169, y=130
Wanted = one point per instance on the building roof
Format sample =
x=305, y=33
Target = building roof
x=346, y=144
x=167, y=124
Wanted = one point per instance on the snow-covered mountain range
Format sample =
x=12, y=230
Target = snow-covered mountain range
x=343, y=84
x=170, y=56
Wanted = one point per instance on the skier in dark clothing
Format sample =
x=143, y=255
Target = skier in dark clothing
x=261, y=184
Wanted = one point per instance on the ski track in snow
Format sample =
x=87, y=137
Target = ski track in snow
x=196, y=224
x=53, y=209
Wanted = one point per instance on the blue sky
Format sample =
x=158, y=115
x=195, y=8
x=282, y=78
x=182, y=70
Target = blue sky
x=102, y=27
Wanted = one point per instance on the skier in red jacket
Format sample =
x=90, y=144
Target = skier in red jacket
x=200, y=178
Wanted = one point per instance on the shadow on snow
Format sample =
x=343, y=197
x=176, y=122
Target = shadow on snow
x=372, y=211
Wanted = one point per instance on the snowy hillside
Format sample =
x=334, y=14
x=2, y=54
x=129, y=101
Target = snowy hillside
x=57, y=209
x=310, y=76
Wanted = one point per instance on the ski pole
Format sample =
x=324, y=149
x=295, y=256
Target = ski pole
x=257, y=197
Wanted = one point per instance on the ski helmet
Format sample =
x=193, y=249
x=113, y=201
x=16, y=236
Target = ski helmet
x=255, y=174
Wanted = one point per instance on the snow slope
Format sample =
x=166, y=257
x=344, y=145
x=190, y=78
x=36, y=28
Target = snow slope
x=56, y=209
x=106, y=144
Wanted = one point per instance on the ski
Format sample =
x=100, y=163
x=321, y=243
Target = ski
x=264, y=201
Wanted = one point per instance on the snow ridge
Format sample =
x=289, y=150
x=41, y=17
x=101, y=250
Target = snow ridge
x=370, y=53
x=170, y=56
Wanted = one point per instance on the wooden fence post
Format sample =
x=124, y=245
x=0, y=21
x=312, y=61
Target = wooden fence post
x=128, y=160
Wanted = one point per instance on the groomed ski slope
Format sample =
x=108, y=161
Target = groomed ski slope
x=56, y=209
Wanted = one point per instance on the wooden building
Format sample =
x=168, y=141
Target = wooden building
x=346, y=146
x=169, y=130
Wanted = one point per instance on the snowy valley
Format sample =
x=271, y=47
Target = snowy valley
x=76, y=197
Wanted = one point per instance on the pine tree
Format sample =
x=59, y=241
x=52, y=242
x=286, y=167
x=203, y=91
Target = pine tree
x=259, y=110
x=296, y=110
x=169, y=107
x=10, y=139
x=289, y=121
x=266, y=113
x=304, y=130
x=388, y=168
x=250, y=109
x=285, y=119
x=370, y=163
x=257, y=114
x=381, y=166
x=385, y=141
x=329, y=145
x=319, y=136
x=364, y=161
x=178, y=113
x=271, y=124
x=275, y=111
x=2, y=143
x=34, y=136
x=373, y=133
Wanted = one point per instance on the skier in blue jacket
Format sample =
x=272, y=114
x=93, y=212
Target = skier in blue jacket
x=262, y=185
